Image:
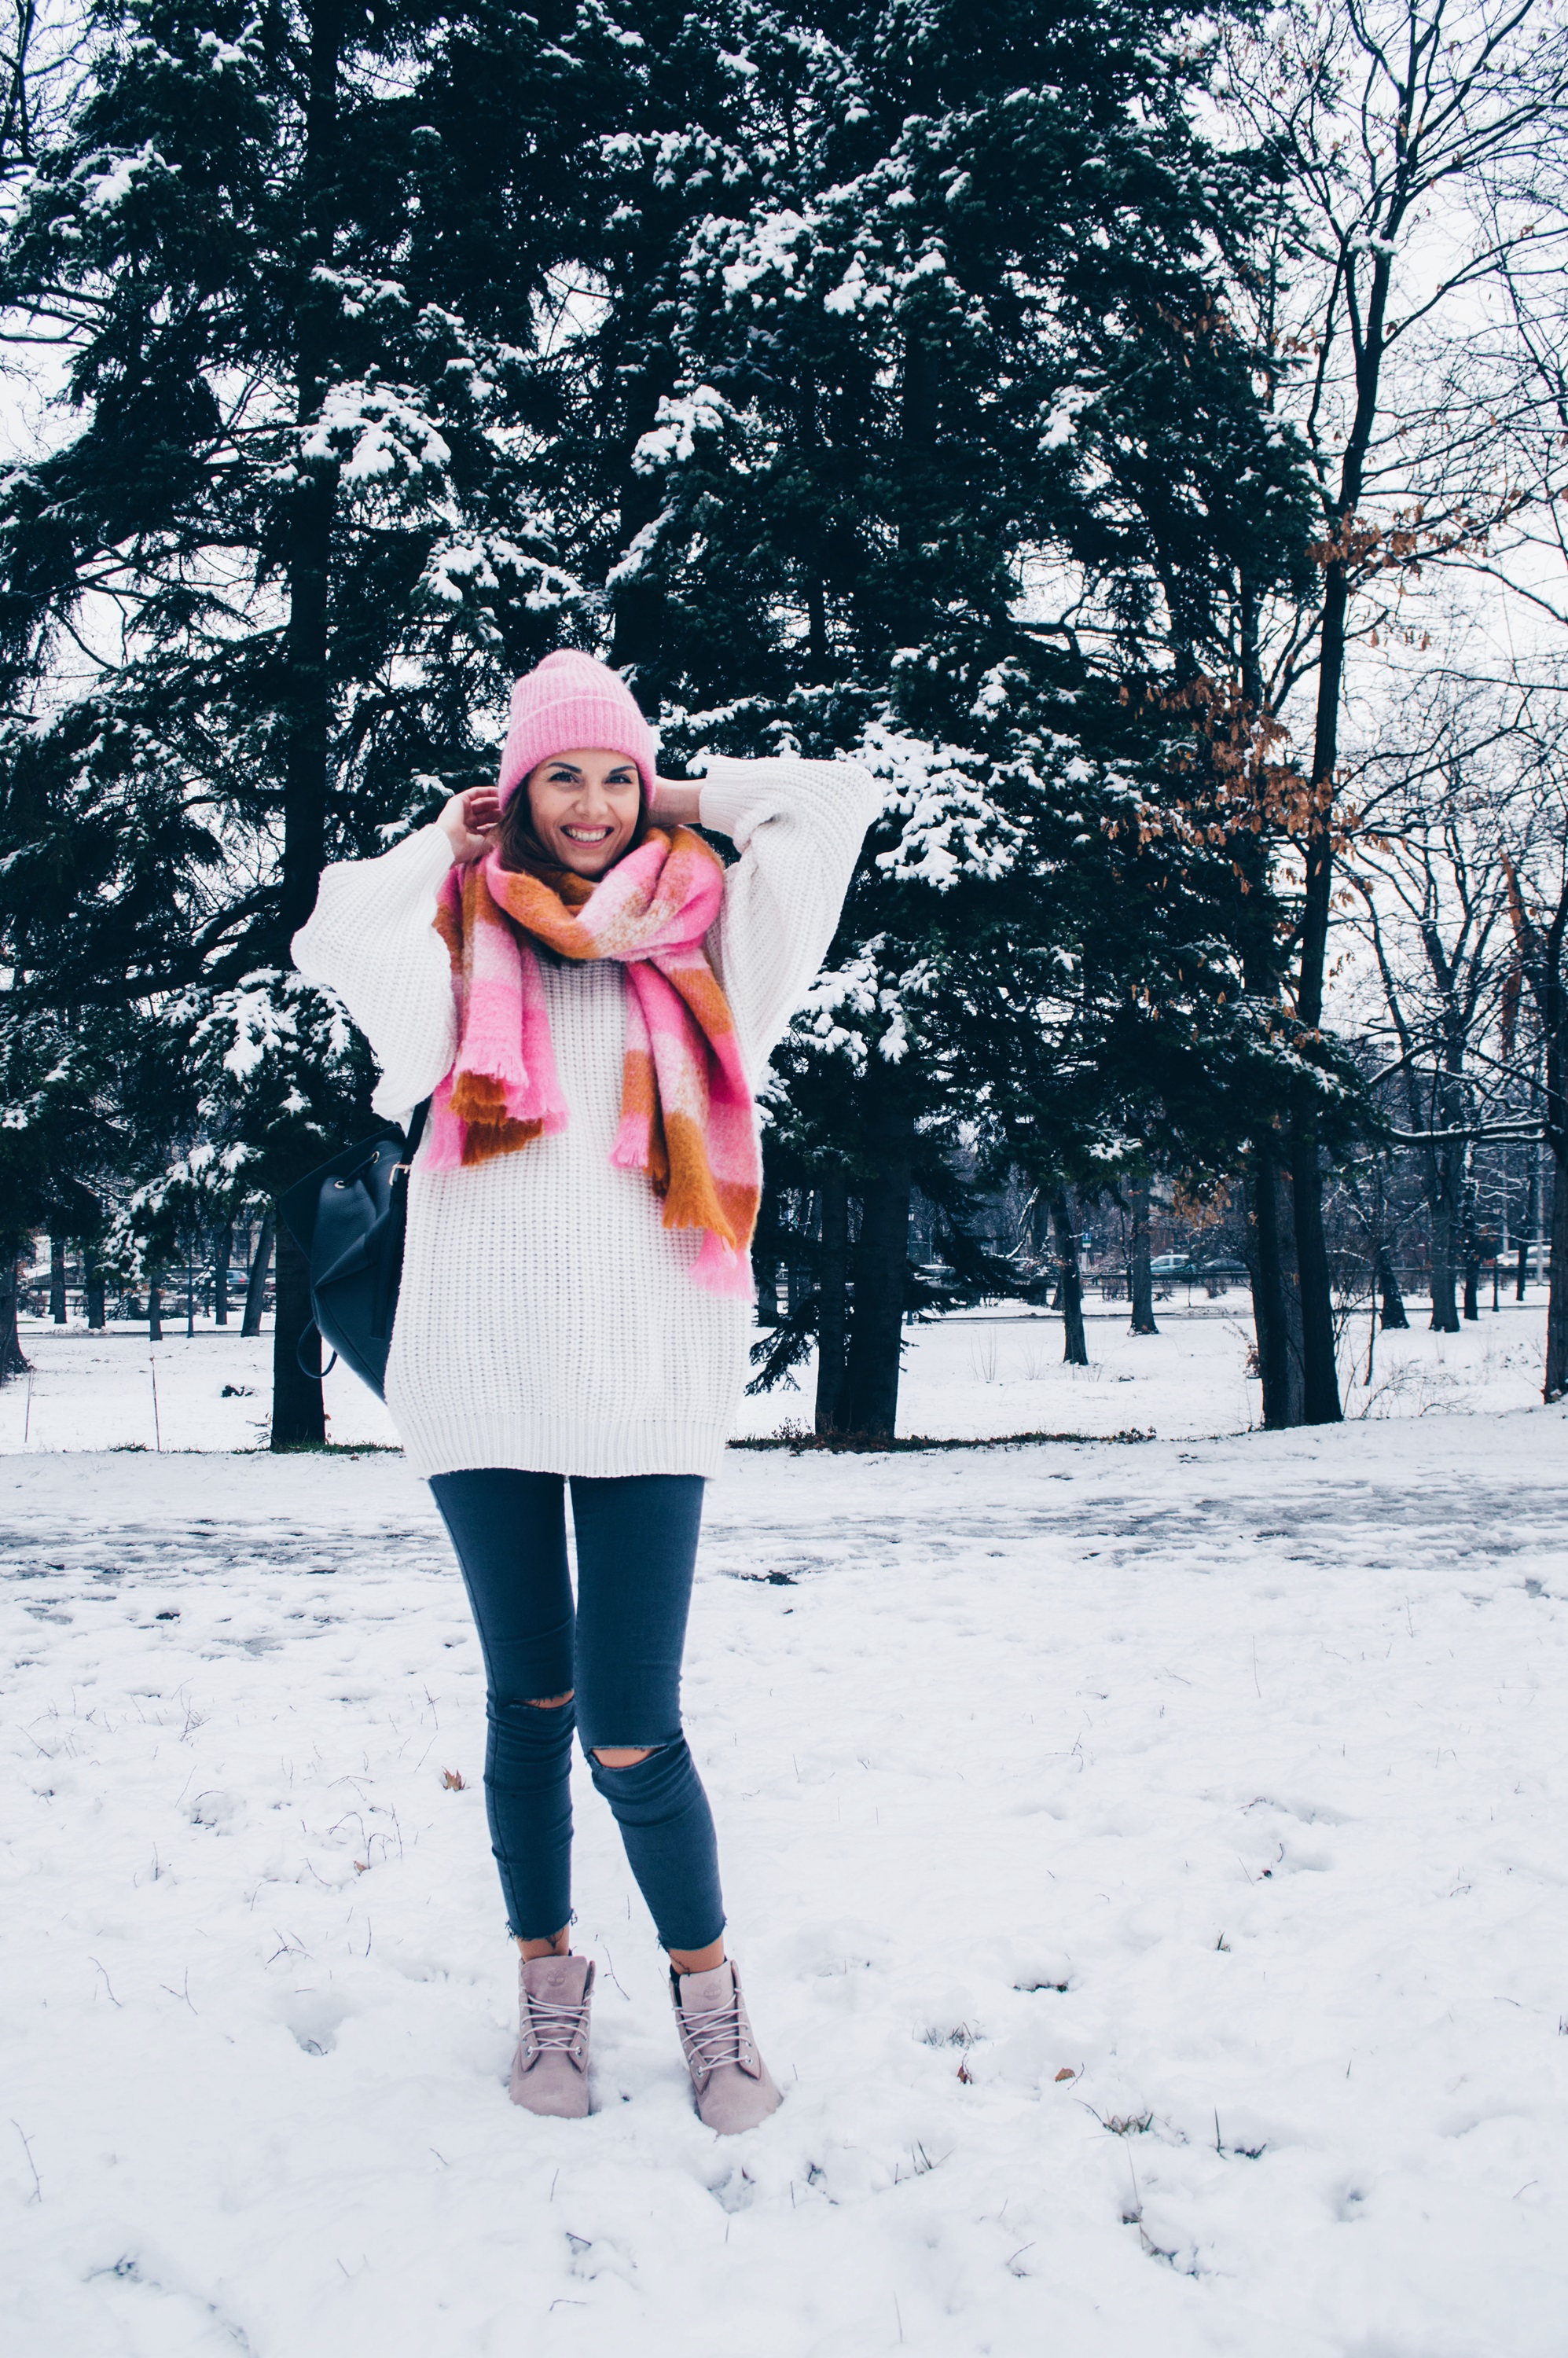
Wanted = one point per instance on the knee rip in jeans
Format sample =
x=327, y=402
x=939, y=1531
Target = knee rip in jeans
x=549, y=1703
x=624, y=1756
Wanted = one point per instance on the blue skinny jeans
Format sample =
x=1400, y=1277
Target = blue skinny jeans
x=617, y=1654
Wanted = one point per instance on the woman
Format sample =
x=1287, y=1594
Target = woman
x=587, y=997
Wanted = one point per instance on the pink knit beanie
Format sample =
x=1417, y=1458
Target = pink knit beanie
x=571, y=704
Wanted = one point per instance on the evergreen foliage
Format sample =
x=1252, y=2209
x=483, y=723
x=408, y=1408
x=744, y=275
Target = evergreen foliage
x=790, y=358
x=261, y=607
x=964, y=319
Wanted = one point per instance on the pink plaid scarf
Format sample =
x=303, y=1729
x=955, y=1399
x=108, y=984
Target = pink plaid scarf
x=687, y=1117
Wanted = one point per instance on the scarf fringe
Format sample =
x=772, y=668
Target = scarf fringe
x=723, y=1269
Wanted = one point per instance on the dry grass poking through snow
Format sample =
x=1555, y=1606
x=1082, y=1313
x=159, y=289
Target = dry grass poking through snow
x=974, y=1376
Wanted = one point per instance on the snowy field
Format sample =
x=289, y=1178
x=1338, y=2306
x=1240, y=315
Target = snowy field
x=975, y=1375
x=1147, y=1863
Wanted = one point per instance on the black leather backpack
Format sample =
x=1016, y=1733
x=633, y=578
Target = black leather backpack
x=348, y=1219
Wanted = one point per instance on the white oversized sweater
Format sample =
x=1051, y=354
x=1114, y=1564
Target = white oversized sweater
x=547, y=1319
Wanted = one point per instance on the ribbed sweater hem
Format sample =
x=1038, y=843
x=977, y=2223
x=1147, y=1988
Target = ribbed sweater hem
x=457, y=1444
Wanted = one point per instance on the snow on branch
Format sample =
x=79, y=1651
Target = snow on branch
x=952, y=827
x=682, y=416
x=378, y=432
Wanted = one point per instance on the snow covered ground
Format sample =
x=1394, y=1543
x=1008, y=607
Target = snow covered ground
x=1147, y=1862
x=976, y=1375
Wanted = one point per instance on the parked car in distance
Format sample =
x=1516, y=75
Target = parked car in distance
x=1169, y=1269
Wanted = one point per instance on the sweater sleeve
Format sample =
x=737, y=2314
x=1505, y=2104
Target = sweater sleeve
x=371, y=938
x=798, y=827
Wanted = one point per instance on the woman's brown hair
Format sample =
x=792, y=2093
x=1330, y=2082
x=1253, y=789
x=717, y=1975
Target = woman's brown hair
x=515, y=840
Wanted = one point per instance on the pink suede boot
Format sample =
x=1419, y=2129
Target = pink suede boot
x=549, y=2071
x=734, y=2086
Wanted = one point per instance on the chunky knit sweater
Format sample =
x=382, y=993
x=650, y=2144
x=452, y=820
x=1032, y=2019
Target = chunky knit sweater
x=547, y=1319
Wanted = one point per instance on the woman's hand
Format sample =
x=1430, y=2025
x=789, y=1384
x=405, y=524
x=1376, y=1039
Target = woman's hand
x=470, y=822
x=674, y=802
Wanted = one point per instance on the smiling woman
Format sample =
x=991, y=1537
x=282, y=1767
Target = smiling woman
x=587, y=994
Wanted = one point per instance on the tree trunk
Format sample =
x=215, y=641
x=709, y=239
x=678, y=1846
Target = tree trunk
x=1521, y=1269
x=1270, y=1251
x=869, y=1402
x=93, y=1287
x=57, y=1280
x=1444, y=1266
x=13, y=1360
x=296, y=1407
x=1320, y=1374
x=832, y=1297
x=313, y=501
x=1393, y=1319
x=641, y=631
x=220, y=1274
x=155, y=1311
x=1140, y=1277
x=1556, y=1382
x=255, y=1283
x=305, y=804
x=1276, y=1298
x=1069, y=1284
x=298, y=1419
x=1472, y=1288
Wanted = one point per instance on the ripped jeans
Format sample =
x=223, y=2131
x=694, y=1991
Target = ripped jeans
x=617, y=1657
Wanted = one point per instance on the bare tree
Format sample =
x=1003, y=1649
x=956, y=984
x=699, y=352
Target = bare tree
x=1532, y=821
x=1383, y=113
x=1436, y=919
x=42, y=49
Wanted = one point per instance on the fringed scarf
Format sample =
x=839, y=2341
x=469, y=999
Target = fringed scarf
x=687, y=1117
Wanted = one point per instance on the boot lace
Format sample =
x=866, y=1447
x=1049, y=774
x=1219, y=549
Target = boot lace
x=714, y=2034
x=554, y=2026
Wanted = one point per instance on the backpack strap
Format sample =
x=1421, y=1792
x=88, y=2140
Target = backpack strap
x=416, y=1133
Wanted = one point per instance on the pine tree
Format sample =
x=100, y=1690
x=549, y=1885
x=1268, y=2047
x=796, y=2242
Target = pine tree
x=302, y=527
x=972, y=254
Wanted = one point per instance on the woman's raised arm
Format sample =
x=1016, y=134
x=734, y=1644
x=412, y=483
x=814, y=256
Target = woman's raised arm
x=798, y=827
x=371, y=938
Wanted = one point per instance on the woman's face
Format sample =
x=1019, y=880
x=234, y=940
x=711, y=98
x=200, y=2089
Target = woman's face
x=584, y=807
